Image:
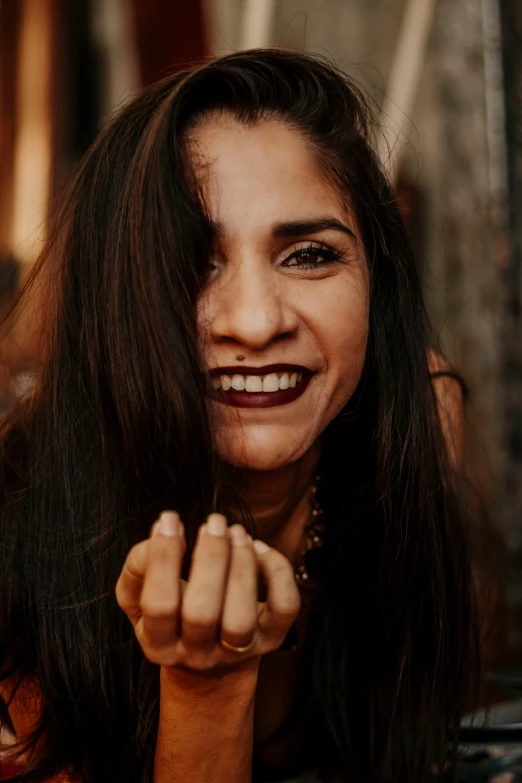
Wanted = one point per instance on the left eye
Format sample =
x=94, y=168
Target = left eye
x=309, y=257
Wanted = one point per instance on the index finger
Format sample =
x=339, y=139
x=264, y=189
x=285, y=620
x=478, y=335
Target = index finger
x=137, y=566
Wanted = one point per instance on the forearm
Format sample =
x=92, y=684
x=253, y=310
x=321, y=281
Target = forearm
x=205, y=732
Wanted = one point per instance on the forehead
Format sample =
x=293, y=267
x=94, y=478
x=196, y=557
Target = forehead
x=255, y=175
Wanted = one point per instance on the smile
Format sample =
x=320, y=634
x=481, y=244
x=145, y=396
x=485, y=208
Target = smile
x=258, y=391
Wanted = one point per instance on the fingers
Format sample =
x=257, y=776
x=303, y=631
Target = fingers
x=283, y=599
x=239, y=619
x=181, y=623
x=204, y=594
x=129, y=584
x=158, y=626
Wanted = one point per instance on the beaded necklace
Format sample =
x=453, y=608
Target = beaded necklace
x=313, y=535
x=313, y=539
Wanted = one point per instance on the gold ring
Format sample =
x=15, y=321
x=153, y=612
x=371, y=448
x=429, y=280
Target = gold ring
x=231, y=648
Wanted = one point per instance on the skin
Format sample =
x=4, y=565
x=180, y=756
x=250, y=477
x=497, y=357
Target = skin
x=450, y=404
x=260, y=304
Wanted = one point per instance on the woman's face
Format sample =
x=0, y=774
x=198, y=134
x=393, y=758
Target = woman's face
x=288, y=287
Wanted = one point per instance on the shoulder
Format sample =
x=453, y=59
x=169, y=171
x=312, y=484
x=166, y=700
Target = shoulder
x=437, y=362
x=23, y=704
x=450, y=394
x=442, y=373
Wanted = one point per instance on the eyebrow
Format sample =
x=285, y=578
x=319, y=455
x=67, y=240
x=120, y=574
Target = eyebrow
x=297, y=228
x=313, y=226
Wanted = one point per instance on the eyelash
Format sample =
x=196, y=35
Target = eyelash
x=328, y=253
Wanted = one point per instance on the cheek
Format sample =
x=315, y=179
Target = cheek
x=344, y=340
x=347, y=345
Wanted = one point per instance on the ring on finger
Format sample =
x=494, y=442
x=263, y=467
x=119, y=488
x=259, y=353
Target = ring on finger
x=231, y=648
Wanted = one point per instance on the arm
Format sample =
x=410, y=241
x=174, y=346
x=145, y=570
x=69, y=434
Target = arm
x=208, y=739
x=207, y=686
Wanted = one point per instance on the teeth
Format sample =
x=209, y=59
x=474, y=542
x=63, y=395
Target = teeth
x=271, y=383
x=253, y=383
x=257, y=383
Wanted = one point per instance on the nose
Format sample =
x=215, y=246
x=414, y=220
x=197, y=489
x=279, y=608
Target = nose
x=249, y=307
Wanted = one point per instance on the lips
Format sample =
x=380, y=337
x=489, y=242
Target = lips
x=244, y=399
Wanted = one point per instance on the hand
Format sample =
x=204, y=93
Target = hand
x=181, y=624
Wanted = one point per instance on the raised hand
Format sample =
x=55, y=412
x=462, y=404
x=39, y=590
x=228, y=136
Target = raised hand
x=195, y=624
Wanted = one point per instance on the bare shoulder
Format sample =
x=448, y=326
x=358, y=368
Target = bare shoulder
x=438, y=363
x=450, y=403
x=445, y=378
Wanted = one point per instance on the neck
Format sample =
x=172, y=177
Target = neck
x=279, y=500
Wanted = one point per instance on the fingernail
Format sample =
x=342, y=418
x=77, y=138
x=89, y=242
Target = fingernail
x=261, y=547
x=169, y=524
x=238, y=535
x=217, y=525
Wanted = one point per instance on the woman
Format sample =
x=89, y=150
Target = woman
x=234, y=324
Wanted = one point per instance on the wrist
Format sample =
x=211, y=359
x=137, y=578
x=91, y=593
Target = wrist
x=225, y=683
x=206, y=725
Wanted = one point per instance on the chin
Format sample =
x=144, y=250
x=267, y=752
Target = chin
x=268, y=451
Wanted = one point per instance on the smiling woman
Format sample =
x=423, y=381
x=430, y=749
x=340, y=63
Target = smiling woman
x=234, y=331
x=288, y=274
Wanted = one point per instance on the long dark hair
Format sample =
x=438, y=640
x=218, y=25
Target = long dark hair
x=117, y=429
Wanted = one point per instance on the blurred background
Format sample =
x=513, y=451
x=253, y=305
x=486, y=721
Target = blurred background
x=446, y=79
